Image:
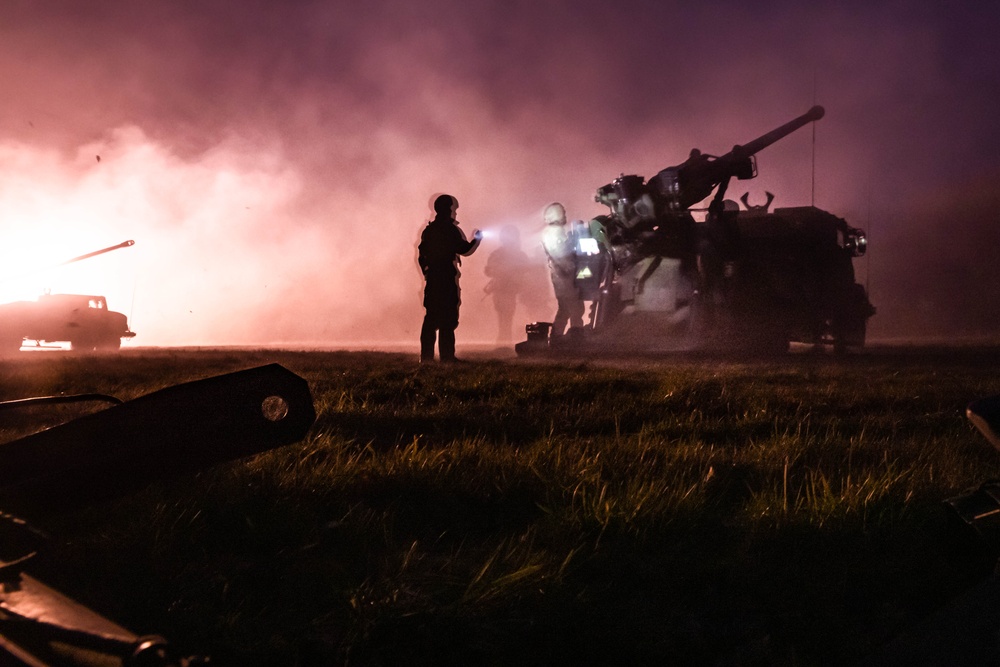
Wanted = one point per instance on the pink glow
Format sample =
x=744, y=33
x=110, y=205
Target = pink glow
x=274, y=167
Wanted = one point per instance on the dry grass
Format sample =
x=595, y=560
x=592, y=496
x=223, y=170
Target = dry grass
x=680, y=510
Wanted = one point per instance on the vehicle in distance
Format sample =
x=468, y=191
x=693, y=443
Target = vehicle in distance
x=82, y=320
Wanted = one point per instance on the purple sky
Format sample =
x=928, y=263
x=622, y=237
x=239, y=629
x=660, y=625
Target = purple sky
x=273, y=160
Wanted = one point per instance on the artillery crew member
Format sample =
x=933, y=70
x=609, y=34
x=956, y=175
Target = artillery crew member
x=506, y=267
x=441, y=244
x=558, y=244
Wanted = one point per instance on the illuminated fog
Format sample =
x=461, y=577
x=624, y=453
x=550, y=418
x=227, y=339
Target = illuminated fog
x=273, y=161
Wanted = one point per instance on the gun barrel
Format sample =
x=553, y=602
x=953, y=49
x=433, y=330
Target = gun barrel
x=123, y=244
x=765, y=140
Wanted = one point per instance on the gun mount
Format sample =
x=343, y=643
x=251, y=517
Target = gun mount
x=676, y=189
x=747, y=279
x=690, y=182
x=82, y=320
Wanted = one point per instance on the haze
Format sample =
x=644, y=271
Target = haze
x=274, y=161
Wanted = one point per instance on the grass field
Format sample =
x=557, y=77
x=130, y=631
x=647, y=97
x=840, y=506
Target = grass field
x=676, y=510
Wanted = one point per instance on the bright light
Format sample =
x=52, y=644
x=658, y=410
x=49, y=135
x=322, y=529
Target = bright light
x=38, y=268
x=588, y=246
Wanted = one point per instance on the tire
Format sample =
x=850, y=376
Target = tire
x=82, y=345
x=851, y=334
x=771, y=344
x=109, y=344
x=767, y=337
x=852, y=329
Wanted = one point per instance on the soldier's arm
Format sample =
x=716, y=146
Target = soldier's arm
x=465, y=246
x=421, y=257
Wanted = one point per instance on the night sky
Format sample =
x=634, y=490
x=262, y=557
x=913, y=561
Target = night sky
x=273, y=161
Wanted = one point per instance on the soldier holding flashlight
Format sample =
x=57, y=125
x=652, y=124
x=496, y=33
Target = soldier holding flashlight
x=441, y=245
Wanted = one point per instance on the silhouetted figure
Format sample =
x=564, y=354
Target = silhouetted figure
x=441, y=243
x=558, y=244
x=506, y=267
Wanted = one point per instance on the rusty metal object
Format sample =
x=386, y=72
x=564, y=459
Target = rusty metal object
x=179, y=429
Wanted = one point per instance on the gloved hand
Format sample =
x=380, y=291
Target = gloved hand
x=478, y=235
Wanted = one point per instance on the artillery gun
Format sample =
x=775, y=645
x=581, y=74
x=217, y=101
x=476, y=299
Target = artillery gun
x=657, y=279
x=82, y=320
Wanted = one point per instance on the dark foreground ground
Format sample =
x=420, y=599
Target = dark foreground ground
x=680, y=509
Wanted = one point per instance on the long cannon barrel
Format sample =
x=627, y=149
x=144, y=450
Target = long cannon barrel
x=765, y=140
x=123, y=244
x=692, y=181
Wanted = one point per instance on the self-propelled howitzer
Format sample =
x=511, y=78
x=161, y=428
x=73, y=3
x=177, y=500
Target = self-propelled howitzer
x=738, y=278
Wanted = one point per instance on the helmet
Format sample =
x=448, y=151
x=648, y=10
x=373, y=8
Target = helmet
x=555, y=214
x=445, y=205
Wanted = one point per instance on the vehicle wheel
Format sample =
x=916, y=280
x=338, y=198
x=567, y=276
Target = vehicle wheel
x=82, y=345
x=109, y=344
x=850, y=334
x=851, y=328
x=767, y=337
x=776, y=344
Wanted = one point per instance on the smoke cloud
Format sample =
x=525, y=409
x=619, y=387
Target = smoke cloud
x=274, y=161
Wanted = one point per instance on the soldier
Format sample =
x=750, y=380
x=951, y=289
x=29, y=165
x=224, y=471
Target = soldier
x=441, y=243
x=558, y=244
x=506, y=267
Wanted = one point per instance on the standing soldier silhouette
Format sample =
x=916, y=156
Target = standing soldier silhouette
x=441, y=243
x=558, y=244
x=506, y=268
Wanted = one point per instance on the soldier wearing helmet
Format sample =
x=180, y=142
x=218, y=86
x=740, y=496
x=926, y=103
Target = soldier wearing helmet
x=438, y=255
x=558, y=244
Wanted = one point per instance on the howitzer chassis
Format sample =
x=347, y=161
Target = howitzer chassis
x=781, y=277
x=746, y=279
